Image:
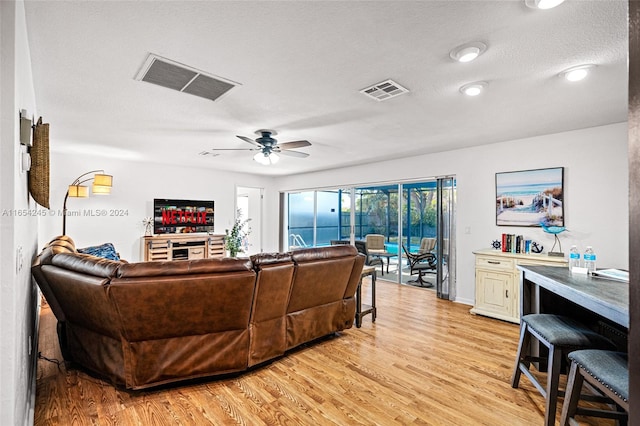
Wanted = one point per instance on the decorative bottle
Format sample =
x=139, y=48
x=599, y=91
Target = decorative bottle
x=590, y=259
x=574, y=258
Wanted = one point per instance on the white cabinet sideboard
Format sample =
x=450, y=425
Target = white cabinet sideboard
x=498, y=281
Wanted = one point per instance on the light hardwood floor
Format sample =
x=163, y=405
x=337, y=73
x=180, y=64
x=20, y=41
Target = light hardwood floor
x=423, y=362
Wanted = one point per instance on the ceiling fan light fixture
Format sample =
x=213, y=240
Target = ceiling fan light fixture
x=473, y=89
x=576, y=73
x=543, y=4
x=266, y=159
x=468, y=52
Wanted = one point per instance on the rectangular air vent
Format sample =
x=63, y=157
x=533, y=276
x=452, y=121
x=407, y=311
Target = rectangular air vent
x=384, y=90
x=174, y=75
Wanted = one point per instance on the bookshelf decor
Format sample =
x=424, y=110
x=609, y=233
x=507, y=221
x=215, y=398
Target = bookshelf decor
x=512, y=243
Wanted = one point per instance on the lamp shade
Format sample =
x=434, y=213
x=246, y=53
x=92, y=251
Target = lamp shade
x=101, y=189
x=78, y=191
x=103, y=180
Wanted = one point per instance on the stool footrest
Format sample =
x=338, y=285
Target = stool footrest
x=594, y=412
x=533, y=380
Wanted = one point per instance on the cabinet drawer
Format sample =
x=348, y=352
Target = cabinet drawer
x=495, y=263
x=196, y=253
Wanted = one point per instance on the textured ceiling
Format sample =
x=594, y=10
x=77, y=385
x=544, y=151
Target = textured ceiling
x=301, y=66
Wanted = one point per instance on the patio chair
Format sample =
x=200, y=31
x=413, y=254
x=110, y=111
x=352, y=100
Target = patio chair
x=377, y=247
x=371, y=259
x=427, y=245
x=420, y=263
x=375, y=243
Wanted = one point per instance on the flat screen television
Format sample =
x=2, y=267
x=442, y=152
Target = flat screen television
x=180, y=216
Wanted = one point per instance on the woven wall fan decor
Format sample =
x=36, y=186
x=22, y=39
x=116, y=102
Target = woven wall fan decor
x=39, y=173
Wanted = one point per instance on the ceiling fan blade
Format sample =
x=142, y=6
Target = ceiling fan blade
x=294, y=154
x=294, y=144
x=233, y=149
x=249, y=140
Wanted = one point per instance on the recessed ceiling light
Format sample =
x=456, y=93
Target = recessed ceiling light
x=473, y=89
x=576, y=73
x=543, y=4
x=468, y=52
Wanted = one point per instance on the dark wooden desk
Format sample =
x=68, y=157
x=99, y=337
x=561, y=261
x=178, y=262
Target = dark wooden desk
x=601, y=304
x=555, y=290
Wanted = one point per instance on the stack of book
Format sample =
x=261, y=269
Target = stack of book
x=512, y=243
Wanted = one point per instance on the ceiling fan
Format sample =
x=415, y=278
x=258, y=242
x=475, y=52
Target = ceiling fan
x=269, y=148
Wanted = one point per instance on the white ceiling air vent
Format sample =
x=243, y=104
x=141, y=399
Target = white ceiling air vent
x=384, y=90
x=173, y=75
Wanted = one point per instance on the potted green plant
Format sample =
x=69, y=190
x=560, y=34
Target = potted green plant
x=235, y=240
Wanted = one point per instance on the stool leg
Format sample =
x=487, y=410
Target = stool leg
x=553, y=381
x=359, y=304
x=572, y=395
x=523, y=347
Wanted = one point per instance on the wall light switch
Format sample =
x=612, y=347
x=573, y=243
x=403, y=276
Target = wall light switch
x=19, y=259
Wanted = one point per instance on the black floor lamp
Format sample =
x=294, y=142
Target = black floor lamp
x=102, y=184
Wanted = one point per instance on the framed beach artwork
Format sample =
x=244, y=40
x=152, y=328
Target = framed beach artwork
x=530, y=197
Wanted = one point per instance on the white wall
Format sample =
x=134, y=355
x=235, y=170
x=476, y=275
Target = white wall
x=135, y=185
x=18, y=296
x=596, y=191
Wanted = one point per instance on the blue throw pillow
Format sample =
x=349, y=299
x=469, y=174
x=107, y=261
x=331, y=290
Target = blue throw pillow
x=106, y=250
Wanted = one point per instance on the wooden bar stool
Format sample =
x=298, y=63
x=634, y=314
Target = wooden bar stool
x=560, y=335
x=607, y=372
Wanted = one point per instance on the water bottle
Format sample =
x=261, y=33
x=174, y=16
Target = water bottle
x=574, y=258
x=590, y=259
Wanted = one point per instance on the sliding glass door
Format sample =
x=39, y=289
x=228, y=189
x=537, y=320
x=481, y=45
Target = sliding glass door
x=301, y=221
x=376, y=212
x=445, y=240
x=406, y=214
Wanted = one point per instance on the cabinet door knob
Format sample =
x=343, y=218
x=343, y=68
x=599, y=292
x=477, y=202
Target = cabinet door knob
x=506, y=293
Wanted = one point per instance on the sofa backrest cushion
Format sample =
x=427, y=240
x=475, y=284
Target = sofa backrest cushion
x=322, y=275
x=263, y=259
x=60, y=244
x=275, y=277
x=82, y=296
x=183, y=267
x=86, y=264
x=160, y=307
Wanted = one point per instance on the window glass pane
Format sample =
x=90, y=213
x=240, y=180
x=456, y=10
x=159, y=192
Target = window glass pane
x=300, y=219
x=345, y=214
x=419, y=212
x=327, y=221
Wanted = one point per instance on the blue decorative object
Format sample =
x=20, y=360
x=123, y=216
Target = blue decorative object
x=554, y=230
x=106, y=250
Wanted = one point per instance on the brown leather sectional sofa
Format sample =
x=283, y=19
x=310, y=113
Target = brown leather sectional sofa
x=151, y=323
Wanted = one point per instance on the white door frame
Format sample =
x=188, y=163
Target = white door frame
x=255, y=197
